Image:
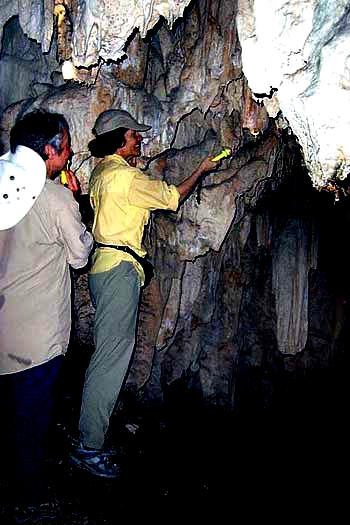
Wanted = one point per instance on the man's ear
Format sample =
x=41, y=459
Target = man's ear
x=49, y=151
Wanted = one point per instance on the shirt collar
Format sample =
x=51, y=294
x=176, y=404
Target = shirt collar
x=118, y=159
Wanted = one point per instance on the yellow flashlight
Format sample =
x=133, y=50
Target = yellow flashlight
x=226, y=152
x=63, y=175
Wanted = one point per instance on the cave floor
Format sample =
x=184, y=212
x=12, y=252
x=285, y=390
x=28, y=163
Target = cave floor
x=189, y=463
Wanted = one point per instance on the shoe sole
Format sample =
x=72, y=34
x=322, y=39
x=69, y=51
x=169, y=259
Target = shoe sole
x=86, y=467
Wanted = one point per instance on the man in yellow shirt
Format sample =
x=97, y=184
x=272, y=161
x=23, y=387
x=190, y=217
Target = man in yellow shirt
x=122, y=198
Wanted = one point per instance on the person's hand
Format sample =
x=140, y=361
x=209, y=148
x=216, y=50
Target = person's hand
x=208, y=165
x=73, y=182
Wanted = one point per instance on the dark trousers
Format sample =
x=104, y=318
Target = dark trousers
x=29, y=399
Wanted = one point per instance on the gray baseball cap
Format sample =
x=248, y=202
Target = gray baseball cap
x=116, y=118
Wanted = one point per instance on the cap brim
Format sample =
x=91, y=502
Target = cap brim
x=141, y=127
x=135, y=127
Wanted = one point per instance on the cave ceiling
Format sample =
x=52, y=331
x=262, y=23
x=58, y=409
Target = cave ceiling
x=294, y=56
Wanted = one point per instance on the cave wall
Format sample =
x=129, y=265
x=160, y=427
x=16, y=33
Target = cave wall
x=238, y=300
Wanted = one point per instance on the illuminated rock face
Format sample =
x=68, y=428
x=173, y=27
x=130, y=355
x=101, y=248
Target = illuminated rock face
x=101, y=29
x=301, y=47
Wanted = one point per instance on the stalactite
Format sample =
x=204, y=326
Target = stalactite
x=291, y=265
x=254, y=117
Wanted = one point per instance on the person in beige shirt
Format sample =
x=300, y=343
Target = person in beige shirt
x=41, y=236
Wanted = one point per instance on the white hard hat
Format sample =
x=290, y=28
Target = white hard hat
x=22, y=177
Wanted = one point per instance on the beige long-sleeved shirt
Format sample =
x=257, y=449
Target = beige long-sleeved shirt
x=35, y=287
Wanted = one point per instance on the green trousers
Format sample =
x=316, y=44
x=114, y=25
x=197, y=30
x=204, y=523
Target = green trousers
x=115, y=295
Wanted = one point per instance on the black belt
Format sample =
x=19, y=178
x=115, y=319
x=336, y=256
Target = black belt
x=147, y=266
x=117, y=247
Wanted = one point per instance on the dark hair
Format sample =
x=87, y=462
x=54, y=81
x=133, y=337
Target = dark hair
x=107, y=143
x=38, y=128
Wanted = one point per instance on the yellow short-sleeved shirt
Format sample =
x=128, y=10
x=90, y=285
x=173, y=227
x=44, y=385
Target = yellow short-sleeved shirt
x=122, y=198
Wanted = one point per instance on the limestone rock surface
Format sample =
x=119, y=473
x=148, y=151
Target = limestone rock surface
x=301, y=48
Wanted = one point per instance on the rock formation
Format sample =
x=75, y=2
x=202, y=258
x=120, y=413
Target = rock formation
x=300, y=50
x=237, y=278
